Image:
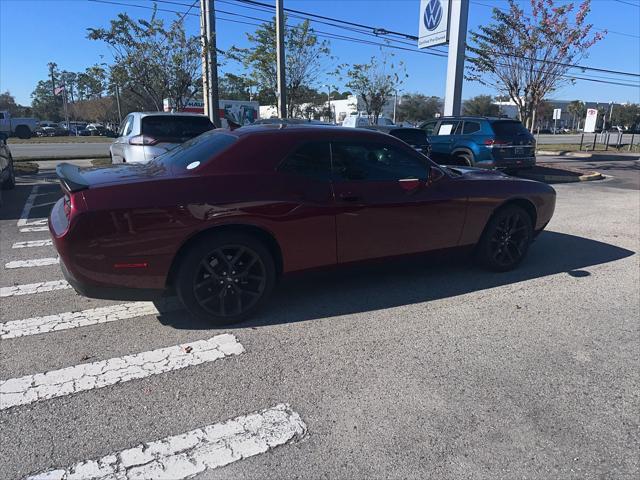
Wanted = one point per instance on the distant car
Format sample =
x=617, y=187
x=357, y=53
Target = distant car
x=219, y=218
x=415, y=137
x=20, y=127
x=359, y=121
x=45, y=131
x=486, y=142
x=7, y=173
x=96, y=130
x=144, y=136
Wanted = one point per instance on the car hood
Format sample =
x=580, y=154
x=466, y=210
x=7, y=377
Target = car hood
x=75, y=179
x=473, y=173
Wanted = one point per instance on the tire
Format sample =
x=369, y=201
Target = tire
x=209, y=287
x=23, y=132
x=10, y=181
x=464, y=159
x=506, y=239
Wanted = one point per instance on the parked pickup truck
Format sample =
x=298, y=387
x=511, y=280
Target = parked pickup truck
x=20, y=127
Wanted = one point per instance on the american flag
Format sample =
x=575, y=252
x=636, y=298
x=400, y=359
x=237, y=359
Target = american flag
x=58, y=90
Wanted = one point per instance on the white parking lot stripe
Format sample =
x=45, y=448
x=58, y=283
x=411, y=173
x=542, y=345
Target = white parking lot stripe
x=83, y=377
x=182, y=456
x=33, y=243
x=35, y=262
x=34, y=229
x=39, y=221
x=22, y=221
x=68, y=320
x=31, y=288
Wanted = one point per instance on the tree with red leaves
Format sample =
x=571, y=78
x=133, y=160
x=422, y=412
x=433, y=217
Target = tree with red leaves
x=526, y=55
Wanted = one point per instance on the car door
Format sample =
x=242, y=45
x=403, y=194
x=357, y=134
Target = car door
x=118, y=145
x=443, y=139
x=303, y=183
x=385, y=204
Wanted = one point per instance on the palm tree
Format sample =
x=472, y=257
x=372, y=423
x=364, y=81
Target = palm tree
x=578, y=110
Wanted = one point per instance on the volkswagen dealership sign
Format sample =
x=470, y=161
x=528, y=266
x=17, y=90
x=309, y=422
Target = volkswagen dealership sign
x=434, y=23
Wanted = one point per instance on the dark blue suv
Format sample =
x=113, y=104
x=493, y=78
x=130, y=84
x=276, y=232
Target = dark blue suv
x=485, y=142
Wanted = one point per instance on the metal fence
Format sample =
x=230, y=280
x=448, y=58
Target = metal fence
x=603, y=141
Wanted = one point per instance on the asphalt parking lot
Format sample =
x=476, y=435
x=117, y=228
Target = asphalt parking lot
x=398, y=371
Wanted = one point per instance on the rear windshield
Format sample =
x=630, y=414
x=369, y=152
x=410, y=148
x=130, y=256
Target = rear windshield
x=509, y=128
x=197, y=151
x=411, y=136
x=177, y=128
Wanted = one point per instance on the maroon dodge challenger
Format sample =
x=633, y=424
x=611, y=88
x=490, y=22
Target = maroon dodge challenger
x=221, y=217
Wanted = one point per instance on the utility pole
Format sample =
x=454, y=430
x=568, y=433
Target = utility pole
x=212, y=60
x=118, y=103
x=455, y=63
x=64, y=100
x=282, y=83
x=205, y=64
x=52, y=66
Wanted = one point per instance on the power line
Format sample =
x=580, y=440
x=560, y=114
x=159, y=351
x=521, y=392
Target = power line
x=608, y=30
x=351, y=39
x=637, y=5
x=188, y=10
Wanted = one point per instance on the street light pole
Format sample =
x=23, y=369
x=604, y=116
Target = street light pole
x=280, y=58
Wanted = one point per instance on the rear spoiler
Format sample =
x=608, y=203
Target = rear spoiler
x=71, y=178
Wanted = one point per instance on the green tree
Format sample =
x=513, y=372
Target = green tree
x=91, y=83
x=8, y=102
x=375, y=82
x=153, y=61
x=415, y=107
x=45, y=105
x=304, y=54
x=527, y=55
x=578, y=111
x=627, y=116
x=481, y=106
x=235, y=87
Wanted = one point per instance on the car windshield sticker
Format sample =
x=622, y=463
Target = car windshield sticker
x=192, y=165
x=445, y=129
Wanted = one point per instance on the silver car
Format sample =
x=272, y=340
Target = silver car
x=145, y=135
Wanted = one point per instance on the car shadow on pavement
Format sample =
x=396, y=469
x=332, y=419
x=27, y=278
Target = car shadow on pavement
x=375, y=287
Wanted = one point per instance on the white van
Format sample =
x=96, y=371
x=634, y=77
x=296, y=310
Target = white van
x=359, y=121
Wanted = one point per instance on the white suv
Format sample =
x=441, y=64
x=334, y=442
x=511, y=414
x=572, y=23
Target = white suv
x=360, y=121
x=144, y=136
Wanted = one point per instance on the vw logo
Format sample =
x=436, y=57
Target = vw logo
x=432, y=14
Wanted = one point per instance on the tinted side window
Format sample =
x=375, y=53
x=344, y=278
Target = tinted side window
x=179, y=128
x=447, y=127
x=129, y=127
x=1, y=115
x=509, y=128
x=311, y=159
x=470, y=127
x=429, y=127
x=377, y=162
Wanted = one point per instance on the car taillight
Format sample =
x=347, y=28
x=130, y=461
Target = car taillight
x=67, y=206
x=142, y=140
x=492, y=142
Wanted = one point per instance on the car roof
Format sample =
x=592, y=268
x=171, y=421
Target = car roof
x=310, y=131
x=476, y=117
x=169, y=114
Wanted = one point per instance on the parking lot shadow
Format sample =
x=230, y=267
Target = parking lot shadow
x=399, y=282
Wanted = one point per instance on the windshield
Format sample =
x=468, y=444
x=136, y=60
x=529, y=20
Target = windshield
x=412, y=136
x=197, y=151
x=179, y=127
x=509, y=128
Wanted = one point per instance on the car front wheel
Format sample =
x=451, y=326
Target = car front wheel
x=226, y=277
x=506, y=239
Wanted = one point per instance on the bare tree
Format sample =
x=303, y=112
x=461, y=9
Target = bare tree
x=527, y=55
x=375, y=82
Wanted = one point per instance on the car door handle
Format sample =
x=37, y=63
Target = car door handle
x=349, y=197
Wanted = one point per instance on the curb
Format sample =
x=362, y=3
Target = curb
x=563, y=153
x=588, y=177
x=58, y=158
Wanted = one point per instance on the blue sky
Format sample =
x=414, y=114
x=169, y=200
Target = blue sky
x=35, y=32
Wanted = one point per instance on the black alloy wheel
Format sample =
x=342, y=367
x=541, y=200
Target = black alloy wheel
x=225, y=278
x=230, y=280
x=506, y=239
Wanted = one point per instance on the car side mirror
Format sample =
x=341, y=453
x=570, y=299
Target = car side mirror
x=435, y=174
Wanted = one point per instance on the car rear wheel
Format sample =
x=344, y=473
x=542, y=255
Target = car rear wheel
x=23, y=132
x=464, y=159
x=506, y=239
x=224, y=278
